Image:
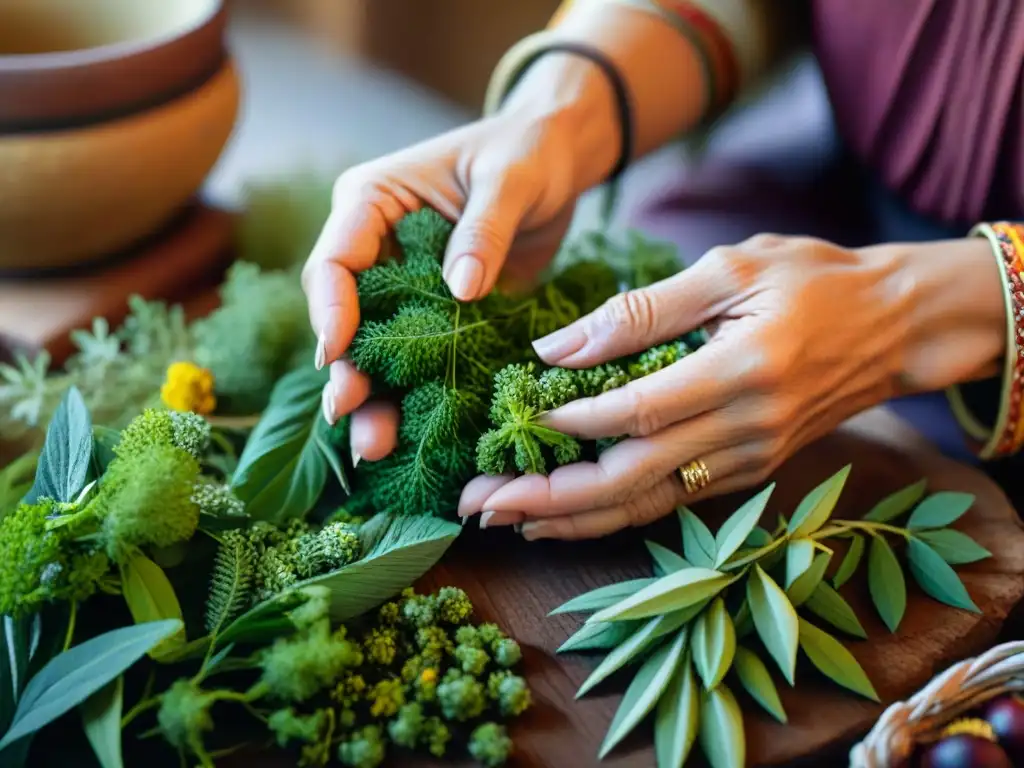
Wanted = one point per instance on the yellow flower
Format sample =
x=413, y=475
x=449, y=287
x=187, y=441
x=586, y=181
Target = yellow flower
x=971, y=726
x=189, y=388
x=428, y=675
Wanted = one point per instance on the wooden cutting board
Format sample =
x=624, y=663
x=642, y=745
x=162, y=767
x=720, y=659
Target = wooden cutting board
x=39, y=312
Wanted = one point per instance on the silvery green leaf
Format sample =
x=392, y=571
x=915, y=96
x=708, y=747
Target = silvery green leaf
x=939, y=510
x=758, y=538
x=953, y=546
x=775, y=620
x=721, y=729
x=808, y=581
x=896, y=504
x=598, y=636
x=799, y=556
x=676, y=718
x=602, y=597
x=71, y=677
x=66, y=459
x=816, y=508
x=101, y=719
x=833, y=659
x=936, y=577
x=643, y=693
x=850, y=561
x=698, y=543
x=641, y=640
x=827, y=604
x=665, y=559
x=713, y=643
x=755, y=678
x=886, y=584
x=669, y=593
x=739, y=525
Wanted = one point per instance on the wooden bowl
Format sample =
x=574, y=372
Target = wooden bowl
x=112, y=113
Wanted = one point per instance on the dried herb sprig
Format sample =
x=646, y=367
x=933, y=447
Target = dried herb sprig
x=737, y=602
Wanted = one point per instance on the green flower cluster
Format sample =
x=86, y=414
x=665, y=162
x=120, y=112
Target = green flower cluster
x=262, y=561
x=53, y=551
x=415, y=675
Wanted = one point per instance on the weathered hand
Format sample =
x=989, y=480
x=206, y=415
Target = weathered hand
x=803, y=335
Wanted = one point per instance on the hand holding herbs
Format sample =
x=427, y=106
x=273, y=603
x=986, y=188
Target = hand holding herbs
x=737, y=604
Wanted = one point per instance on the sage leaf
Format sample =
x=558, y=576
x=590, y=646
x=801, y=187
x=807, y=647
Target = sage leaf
x=758, y=537
x=643, y=693
x=698, y=543
x=101, y=719
x=833, y=659
x=410, y=547
x=886, y=584
x=756, y=680
x=936, y=577
x=641, y=640
x=71, y=677
x=676, y=718
x=592, y=637
x=150, y=597
x=104, y=440
x=602, y=597
x=739, y=525
x=282, y=471
x=721, y=729
x=66, y=459
x=896, y=504
x=669, y=593
x=851, y=560
x=713, y=643
x=940, y=510
x=331, y=456
x=801, y=589
x=775, y=620
x=799, y=556
x=665, y=560
x=953, y=546
x=743, y=621
x=827, y=604
x=816, y=508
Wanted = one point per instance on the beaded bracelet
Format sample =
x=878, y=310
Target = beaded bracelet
x=1007, y=436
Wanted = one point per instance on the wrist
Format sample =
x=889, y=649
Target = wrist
x=953, y=309
x=570, y=98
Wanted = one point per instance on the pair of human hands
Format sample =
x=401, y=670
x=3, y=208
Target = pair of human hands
x=803, y=333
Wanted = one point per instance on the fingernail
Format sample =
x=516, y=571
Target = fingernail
x=518, y=527
x=466, y=277
x=327, y=401
x=536, y=529
x=493, y=518
x=561, y=343
x=320, y=356
x=356, y=458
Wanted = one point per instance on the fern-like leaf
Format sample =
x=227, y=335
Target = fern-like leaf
x=411, y=348
x=231, y=585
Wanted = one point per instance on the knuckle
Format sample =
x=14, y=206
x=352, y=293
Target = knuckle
x=633, y=309
x=484, y=235
x=354, y=184
x=644, y=418
x=765, y=240
x=647, y=508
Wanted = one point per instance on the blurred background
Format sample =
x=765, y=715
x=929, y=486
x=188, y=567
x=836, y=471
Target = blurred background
x=331, y=82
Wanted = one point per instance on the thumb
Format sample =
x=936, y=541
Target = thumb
x=482, y=238
x=638, y=319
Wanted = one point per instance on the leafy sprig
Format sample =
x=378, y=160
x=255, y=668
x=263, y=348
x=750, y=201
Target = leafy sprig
x=741, y=601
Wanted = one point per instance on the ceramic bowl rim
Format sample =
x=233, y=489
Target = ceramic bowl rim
x=125, y=49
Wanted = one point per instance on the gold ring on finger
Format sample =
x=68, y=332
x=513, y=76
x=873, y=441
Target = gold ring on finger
x=695, y=476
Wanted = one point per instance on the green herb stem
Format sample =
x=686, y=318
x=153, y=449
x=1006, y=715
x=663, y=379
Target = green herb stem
x=867, y=526
x=70, y=634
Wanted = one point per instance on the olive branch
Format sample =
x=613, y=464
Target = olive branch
x=733, y=599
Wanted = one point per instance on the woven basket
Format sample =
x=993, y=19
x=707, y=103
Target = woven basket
x=920, y=718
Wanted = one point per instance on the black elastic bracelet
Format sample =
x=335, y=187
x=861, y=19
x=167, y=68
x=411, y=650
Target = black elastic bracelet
x=622, y=101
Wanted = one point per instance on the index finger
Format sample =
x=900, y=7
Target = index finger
x=349, y=242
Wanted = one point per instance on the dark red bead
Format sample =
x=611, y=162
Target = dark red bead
x=1006, y=716
x=964, y=751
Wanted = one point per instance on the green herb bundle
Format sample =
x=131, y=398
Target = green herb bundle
x=737, y=603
